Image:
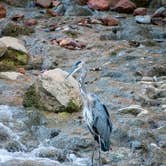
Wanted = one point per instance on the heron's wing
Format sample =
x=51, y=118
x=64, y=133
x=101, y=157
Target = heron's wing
x=102, y=126
x=109, y=120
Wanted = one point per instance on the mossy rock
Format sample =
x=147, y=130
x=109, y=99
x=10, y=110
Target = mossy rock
x=12, y=59
x=33, y=98
x=14, y=30
x=72, y=107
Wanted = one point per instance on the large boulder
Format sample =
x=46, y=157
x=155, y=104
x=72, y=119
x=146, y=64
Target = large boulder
x=13, y=54
x=52, y=92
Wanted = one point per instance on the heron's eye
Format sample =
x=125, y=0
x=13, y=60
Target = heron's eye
x=78, y=63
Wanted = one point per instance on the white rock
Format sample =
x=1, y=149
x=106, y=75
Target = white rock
x=63, y=89
x=13, y=43
x=143, y=19
x=10, y=75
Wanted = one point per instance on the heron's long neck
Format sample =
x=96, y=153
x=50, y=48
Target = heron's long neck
x=82, y=84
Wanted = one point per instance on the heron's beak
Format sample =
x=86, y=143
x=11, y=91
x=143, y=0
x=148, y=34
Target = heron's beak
x=73, y=70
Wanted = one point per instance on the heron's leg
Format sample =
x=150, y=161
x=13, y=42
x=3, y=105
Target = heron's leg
x=92, y=159
x=100, y=163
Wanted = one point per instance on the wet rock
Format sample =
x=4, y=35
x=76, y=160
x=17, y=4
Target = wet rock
x=12, y=29
x=42, y=133
x=99, y=4
x=78, y=161
x=60, y=94
x=2, y=11
x=140, y=11
x=77, y=10
x=8, y=139
x=43, y=3
x=143, y=19
x=10, y=75
x=124, y=6
x=74, y=143
x=51, y=153
x=15, y=54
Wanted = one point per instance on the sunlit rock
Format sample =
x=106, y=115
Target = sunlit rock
x=52, y=92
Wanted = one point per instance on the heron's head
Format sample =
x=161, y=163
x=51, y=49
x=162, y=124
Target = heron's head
x=76, y=67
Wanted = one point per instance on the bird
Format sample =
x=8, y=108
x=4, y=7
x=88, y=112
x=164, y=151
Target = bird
x=95, y=113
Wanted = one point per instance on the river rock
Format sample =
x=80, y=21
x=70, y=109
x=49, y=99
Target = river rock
x=2, y=11
x=51, y=92
x=13, y=54
x=143, y=19
x=124, y=6
x=140, y=11
x=99, y=4
x=44, y=3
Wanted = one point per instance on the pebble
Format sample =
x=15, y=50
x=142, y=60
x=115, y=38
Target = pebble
x=143, y=19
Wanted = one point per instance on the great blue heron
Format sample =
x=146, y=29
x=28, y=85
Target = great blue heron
x=95, y=113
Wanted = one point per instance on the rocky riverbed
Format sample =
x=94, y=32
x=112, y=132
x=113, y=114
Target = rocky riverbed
x=40, y=116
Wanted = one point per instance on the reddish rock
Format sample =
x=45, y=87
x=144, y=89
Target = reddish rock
x=110, y=21
x=124, y=6
x=30, y=22
x=140, y=11
x=2, y=11
x=44, y=3
x=99, y=4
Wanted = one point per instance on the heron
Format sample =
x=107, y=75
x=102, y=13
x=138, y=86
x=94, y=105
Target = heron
x=95, y=113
